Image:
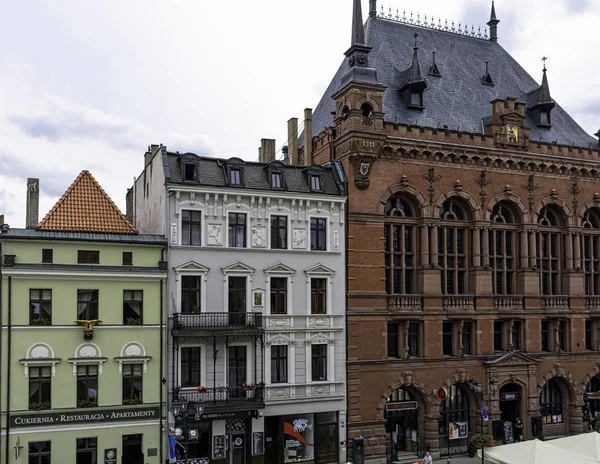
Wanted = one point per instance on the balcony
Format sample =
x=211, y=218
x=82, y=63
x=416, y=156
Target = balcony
x=214, y=399
x=213, y=323
x=592, y=303
x=508, y=303
x=405, y=302
x=458, y=302
x=555, y=303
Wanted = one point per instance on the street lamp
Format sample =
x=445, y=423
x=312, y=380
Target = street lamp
x=179, y=408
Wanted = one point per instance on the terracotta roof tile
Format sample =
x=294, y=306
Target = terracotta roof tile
x=86, y=207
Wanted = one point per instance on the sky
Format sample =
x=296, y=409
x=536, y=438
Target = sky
x=89, y=85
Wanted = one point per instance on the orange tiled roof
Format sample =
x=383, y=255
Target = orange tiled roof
x=86, y=207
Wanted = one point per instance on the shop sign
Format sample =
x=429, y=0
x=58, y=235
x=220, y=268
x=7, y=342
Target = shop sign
x=84, y=416
x=458, y=430
x=401, y=406
x=513, y=396
x=228, y=415
x=110, y=456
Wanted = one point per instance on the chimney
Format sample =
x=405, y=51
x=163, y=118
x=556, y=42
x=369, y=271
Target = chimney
x=373, y=8
x=260, y=155
x=149, y=155
x=307, y=137
x=267, y=148
x=1, y=219
x=293, y=140
x=33, y=203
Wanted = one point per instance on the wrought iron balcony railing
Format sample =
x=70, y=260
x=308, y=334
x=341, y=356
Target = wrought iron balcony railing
x=251, y=322
x=230, y=396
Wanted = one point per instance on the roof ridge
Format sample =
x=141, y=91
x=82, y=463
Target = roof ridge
x=105, y=218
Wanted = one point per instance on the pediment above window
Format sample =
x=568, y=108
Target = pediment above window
x=86, y=354
x=133, y=353
x=192, y=267
x=513, y=358
x=319, y=270
x=280, y=268
x=238, y=267
x=39, y=354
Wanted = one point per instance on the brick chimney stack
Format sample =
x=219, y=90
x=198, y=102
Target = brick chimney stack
x=308, y=136
x=33, y=203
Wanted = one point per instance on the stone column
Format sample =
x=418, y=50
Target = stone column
x=406, y=328
x=532, y=249
x=577, y=251
x=434, y=245
x=568, y=238
x=485, y=244
x=575, y=419
x=431, y=433
x=424, y=245
x=524, y=250
x=476, y=247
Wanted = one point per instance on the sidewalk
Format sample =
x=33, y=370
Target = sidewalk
x=460, y=460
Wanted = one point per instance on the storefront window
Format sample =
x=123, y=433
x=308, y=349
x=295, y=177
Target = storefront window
x=194, y=441
x=299, y=437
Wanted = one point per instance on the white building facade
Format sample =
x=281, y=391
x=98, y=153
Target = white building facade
x=256, y=292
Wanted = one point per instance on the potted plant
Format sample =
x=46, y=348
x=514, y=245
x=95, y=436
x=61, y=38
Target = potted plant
x=202, y=389
x=134, y=321
x=132, y=401
x=479, y=440
x=37, y=406
x=89, y=403
x=40, y=321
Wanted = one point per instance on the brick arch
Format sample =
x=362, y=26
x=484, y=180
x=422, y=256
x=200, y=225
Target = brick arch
x=565, y=378
x=554, y=201
x=406, y=381
x=419, y=200
x=374, y=104
x=470, y=199
x=589, y=376
x=510, y=197
x=461, y=377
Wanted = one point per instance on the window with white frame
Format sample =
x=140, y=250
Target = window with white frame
x=319, y=291
x=319, y=362
x=279, y=364
x=279, y=295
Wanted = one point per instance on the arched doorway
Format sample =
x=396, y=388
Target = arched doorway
x=402, y=411
x=511, y=405
x=455, y=416
x=553, y=409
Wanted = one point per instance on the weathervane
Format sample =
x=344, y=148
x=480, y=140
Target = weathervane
x=544, y=60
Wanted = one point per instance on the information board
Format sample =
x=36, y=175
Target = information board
x=219, y=447
x=258, y=443
x=458, y=430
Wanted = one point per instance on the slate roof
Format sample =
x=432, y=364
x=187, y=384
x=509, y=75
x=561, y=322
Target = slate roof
x=86, y=207
x=457, y=98
x=212, y=172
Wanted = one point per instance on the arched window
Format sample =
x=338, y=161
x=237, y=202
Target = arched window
x=455, y=408
x=400, y=239
x=503, y=245
x=551, y=407
x=452, y=246
x=366, y=110
x=400, y=394
x=591, y=251
x=593, y=386
x=548, y=250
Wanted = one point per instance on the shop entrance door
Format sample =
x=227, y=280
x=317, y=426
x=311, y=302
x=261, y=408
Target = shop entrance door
x=326, y=443
x=404, y=431
x=132, y=449
x=237, y=448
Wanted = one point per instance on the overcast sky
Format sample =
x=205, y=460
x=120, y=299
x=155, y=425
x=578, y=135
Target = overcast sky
x=89, y=85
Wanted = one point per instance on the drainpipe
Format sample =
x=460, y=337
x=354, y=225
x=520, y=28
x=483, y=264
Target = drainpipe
x=161, y=374
x=8, y=361
x=1, y=322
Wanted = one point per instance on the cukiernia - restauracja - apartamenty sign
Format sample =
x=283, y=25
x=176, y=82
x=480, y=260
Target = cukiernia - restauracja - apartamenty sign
x=84, y=416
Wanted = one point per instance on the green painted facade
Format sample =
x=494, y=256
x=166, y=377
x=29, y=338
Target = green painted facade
x=59, y=351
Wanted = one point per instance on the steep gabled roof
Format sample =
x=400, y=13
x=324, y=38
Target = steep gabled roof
x=86, y=207
x=458, y=98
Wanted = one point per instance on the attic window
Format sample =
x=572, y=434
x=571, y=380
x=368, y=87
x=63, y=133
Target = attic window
x=276, y=180
x=234, y=177
x=315, y=183
x=367, y=110
x=416, y=99
x=189, y=171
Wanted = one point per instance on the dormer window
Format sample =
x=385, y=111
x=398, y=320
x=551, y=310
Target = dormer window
x=315, y=183
x=544, y=118
x=235, y=177
x=189, y=172
x=276, y=180
x=415, y=99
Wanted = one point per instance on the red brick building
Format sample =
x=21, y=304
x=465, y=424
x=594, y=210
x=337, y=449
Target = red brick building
x=473, y=239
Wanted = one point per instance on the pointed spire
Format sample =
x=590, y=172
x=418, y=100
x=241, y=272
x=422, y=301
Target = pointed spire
x=493, y=23
x=415, y=69
x=358, y=30
x=544, y=97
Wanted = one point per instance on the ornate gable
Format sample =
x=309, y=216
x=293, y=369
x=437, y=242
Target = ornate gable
x=319, y=269
x=512, y=358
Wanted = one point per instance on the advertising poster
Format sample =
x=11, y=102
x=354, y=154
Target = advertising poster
x=458, y=430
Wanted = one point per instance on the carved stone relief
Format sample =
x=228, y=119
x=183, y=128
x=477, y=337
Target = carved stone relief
x=299, y=239
x=259, y=235
x=214, y=234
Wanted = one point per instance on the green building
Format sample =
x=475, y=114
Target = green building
x=82, y=363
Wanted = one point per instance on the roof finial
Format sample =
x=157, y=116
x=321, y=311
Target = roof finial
x=493, y=23
x=358, y=31
x=544, y=60
x=544, y=97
